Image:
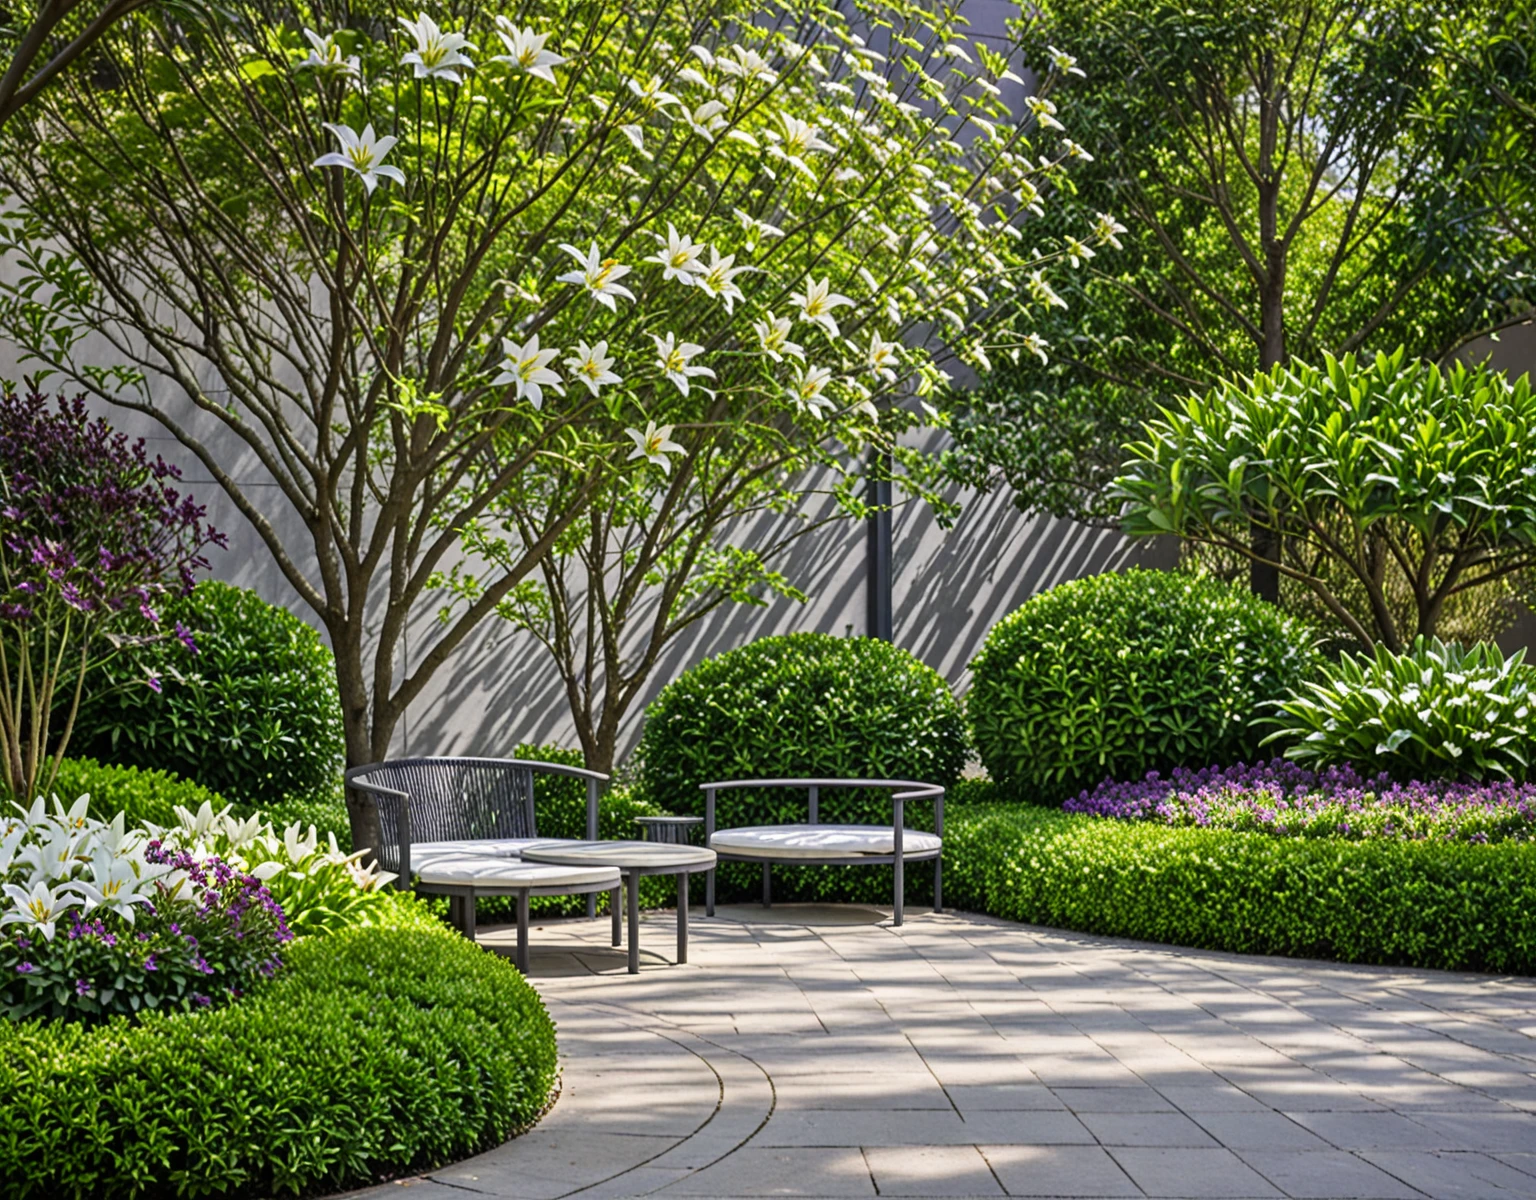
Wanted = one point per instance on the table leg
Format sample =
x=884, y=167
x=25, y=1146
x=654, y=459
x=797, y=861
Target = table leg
x=632, y=885
x=682, y=917
x=522, y=932
x=616, y=907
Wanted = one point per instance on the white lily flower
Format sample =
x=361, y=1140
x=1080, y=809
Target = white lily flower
x=1074, y=151
x=1078, y=252
x=297, y=844
x=598, y=275
x=1036, y=345
x=746, y=64
x=76, y=816
x=773, y=338
x=1105, y=228
x=809, y=390
x=718, y=278
x=651, y=93
x=1044, y=111
x=591, y=365
x=673, y=358
x=115, y=885
x=679, y=256
x=267, y=870
x=1064, y=62
x=326, y=58
x=363, y=153
x=654, y=445
x=527, y=366
x=705, y=120
x=755, y=227
x=437, y=53
x=797, y=140
x=636, y=136
x=880, y=355
x=240, y=833
x=1042, y=291
x=201, y=823
x=41, y=907
x=55, y=856
x=816, y=304
x=525, y=50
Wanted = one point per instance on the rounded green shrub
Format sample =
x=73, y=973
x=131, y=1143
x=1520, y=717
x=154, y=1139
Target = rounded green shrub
x=378, y=1051
x=1437, y=711
x=1430, y=903
x=1116, y=675
x=253, y=714
x=145, y=796
x=805, y=704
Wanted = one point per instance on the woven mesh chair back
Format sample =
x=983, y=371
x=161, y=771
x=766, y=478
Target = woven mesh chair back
x=452, y=798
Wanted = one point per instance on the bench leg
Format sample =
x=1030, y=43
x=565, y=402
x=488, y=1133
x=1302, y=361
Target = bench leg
x=591, y=906
x=522, y=932
x=616, y=907
x=901, y=887
x=767, y=885
x=938, y=885
x=709, y=892
x=682, y=917
x=632, y=886
x=469, y=914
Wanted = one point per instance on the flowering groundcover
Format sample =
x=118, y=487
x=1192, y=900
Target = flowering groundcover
x=1282, y=798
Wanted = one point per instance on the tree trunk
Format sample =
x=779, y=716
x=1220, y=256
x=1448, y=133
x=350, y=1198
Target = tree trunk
x=358, y=727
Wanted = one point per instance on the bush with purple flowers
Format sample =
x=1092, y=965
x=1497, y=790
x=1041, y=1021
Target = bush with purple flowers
x=95, y=532
x=1288, y=800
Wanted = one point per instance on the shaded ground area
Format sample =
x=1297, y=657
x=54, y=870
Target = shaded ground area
x=819, y=1052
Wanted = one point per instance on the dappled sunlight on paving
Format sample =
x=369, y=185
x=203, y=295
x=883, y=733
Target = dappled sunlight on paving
x=813, y=1050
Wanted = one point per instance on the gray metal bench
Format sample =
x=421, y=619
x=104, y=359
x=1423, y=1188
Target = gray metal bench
x=817, y=844
x=459, y=826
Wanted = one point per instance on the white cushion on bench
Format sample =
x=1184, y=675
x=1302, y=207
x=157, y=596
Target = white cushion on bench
x=482, y=870
x=820, y=841
x=486, y=847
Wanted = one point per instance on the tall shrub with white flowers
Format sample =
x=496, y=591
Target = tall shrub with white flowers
x=442, y=274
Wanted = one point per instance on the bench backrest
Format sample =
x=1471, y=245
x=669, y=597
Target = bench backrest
x=901, y=791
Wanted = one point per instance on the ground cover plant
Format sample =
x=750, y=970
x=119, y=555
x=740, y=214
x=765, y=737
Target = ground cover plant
x=1116, y=675
x=1423, y=903
x=1286, y=799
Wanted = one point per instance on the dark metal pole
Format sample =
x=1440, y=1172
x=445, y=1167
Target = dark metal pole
x=877, y=564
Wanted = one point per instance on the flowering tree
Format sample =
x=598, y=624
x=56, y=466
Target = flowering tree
x=95, y=531
x=458, y=282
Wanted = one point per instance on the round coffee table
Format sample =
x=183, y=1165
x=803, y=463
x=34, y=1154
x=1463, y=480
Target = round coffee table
x=633, y=859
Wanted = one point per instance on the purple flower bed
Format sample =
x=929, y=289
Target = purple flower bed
x=1284, y=799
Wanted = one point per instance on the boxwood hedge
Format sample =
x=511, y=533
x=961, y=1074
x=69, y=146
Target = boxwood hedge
x=144, y=795
x=1416, y=903
x=379, y=1050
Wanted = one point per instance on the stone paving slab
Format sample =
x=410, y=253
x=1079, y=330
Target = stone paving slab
x=822, y=1052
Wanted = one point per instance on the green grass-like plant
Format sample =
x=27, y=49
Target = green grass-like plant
x=1116, y=675
x=379, y=1050
x=1437, y=711
x=1416, y=903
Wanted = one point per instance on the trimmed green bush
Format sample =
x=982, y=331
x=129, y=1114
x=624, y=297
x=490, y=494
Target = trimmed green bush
x=806, y=704
x=1436, y=711
x=1416, y=903
x=378, y=1051
x=253, y=714
x=1116, y=675
x=144, y=795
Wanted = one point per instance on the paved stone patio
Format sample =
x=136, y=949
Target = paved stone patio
x=821, y=1052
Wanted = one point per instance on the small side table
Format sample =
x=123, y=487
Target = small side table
x=633, y=859
x=675, y=831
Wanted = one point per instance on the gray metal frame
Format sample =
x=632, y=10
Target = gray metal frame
x=433, y=776
x=899, y=858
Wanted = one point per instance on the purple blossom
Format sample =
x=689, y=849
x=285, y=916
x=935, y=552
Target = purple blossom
x=25, y=968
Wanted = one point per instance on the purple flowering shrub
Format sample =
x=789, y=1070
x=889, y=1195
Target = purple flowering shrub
x=209, y=934
x=1288, y=800
x=93, y=532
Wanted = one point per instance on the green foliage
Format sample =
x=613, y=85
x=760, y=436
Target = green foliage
x=253, y=714
x=806, y=704
x=1435, y=712
x=1425, y=904
x=145, y=796
x=1116, y=675
x=1367, y=466
x=380, y=1050
x=1377, y=240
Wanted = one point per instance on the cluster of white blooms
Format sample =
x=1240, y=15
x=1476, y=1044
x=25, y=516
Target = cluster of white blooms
x=54, y=860
x=807, y=223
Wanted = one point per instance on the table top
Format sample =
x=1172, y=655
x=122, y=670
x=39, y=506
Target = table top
x=637, y=856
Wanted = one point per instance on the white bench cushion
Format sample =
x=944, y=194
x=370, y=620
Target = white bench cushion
x=485, y=847
x=820, y=841
x=483, y=870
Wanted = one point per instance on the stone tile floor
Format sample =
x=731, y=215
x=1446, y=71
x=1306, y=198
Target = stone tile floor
x=821, y=1052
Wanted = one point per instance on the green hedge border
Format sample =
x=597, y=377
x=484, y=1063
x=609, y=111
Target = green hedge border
x=379, y=1051
x=1423, y=904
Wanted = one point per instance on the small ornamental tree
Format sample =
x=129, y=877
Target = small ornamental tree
x=95, y=533
x=1385, y=476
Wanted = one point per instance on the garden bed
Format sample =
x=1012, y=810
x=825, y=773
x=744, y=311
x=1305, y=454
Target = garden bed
x=380, y=1050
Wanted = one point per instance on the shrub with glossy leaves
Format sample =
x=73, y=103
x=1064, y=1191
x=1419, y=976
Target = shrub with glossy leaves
x=1438, y=711
x=1117, y=675
x=254, y=714
x=379, y=1050
x=143, y=796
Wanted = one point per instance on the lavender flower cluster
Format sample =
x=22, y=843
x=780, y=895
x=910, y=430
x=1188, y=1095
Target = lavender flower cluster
x=1286, y=800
